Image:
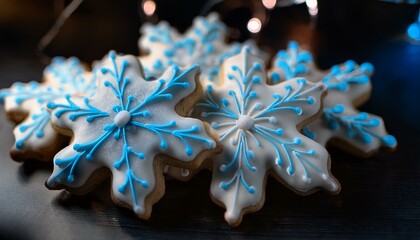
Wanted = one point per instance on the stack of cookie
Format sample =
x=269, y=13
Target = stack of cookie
x=189, y=102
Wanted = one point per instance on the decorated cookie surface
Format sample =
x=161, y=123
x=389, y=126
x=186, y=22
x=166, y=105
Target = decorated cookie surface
x=25, y=104
x=203, y=44
x=200, y=45
x=348, y=87
x=258, y=126
x=131, y=127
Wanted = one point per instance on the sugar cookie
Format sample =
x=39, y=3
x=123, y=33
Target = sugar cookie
x=24, y=104
x=132, y=127
x=348, y=86
x=258, y=127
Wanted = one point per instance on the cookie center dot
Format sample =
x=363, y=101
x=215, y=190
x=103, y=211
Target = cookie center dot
x=245, y=122
x=122, y=118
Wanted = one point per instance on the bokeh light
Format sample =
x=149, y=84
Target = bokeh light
x=254, y=25
x=149, y=7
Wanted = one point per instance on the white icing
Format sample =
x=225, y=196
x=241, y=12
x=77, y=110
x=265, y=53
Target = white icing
x=245, y=122
x=203, y=43
x=122, y=118
x=321, y=129
x=133, y=115
x=243, y=126
x=35, y=133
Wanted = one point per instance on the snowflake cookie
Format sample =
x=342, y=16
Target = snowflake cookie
x=25, y=104
x=165, y=46
x=258, y=127
x=131, y=127
x=348, y=86
x=203, y=44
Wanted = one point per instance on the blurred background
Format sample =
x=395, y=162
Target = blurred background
x=379, y=195
x=342, y=27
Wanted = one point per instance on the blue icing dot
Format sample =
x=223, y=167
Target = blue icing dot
x=389, y=140
x=366, y=138
x=70, y=178
x=363, y=116
x=279, y=131
x=163, y=145
x=188, y=151
x=374, y=122
x=251, y=154
x=290, y=170
x=256, y=79
x=293, y=45
x=275, y=77
x=23, y=128
x=144, y=184
x=339, y=108
x=40, y=134
x=223, y=186
x=20, y=144
x=311, y=100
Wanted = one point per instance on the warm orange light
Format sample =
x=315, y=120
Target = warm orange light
x=149, y=7
x=269, y=4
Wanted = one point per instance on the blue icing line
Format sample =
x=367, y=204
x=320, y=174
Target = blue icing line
x=360, y=126
x=127, y=117
x=238, y=110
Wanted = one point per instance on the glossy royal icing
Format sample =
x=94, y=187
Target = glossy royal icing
x=348, y=87
x=203, y=44
x=27, y=101
x=164, y=46
x=128, y=126
x=257, y=127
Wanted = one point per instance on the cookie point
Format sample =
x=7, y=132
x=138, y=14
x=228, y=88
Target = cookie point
x=333, y=187
x=138, y=210
x=231, y=217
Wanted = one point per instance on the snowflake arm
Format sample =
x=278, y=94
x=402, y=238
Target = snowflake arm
x=365, y=132
x=19, y=93
x=348, y=87
x=290, y=63
x=33, y=127
x=63, y=72
x=203, y=44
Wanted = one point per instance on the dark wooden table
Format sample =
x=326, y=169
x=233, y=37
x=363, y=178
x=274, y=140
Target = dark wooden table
x=380, y=196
